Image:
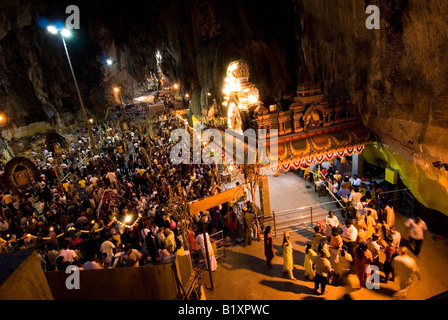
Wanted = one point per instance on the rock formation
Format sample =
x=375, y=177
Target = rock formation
x=396, y=75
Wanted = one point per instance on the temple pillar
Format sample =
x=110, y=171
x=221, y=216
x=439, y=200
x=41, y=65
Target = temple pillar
x=284, y=122
x=357, y=164
x=265, y=204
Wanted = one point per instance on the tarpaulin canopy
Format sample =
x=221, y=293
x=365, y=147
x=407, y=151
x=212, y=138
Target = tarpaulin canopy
x=215, y=200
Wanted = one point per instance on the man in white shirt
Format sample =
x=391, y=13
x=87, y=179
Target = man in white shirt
x=374, y=247
x=417, y=230
x=326, y=165
x=356, y=182
x=396, y=237
x=405, y=268
x=349, y=235
x=323, y=269
x=211, y=255
x=108, y=247
x=112, y=179
x=331, y=221
x=67, y=254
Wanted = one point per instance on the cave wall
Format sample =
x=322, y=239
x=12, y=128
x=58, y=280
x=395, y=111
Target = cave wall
x=35, y=79
x=397, y=75
x=197, y=40
x=425, y=183
x=203, y=37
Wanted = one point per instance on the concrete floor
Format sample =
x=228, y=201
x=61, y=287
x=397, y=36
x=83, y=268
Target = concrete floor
x=242, y=274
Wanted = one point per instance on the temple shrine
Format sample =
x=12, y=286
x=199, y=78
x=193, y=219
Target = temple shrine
x=311, y=130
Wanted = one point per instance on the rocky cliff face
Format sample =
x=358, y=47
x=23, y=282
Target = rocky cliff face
x=35, y=80
x=197, y=39
x=397, y=75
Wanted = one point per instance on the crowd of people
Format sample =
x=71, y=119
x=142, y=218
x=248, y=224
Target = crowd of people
x=126, y=207
x=344, y=252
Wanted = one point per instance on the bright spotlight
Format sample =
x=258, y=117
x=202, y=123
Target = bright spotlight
x=66, y=33
x=109, y=62
x=52, y=29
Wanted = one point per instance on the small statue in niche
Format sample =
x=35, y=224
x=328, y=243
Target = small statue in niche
x=313, y=117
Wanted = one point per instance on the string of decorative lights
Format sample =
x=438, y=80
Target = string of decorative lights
x=114, y=220
x=28, y=235
x=123, y=224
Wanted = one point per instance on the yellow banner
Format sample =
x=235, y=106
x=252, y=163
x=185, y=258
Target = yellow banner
x=216, y=200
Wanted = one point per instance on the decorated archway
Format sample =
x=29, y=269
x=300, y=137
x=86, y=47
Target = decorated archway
x=54, y=142
x=21, y=174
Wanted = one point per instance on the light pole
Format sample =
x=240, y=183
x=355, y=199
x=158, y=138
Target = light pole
x=64, y=34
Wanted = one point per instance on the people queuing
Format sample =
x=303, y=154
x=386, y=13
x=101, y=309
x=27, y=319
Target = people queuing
x=366, y=239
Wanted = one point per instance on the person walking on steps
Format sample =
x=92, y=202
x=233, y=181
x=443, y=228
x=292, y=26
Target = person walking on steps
x=417, y=230
x=247, y=227
x=323, y=268
x=288, y=264
x=268, y=246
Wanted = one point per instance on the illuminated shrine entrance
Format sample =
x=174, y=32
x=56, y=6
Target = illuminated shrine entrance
x=240, y=96
x=311, y=130
x=234, y=118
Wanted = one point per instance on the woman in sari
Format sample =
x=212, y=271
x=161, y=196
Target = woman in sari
x=383, y=230
x=268, y=246
x=231, y=223
x=335, y=246
x=370, y=221
x=308, y=263
x=363, y=258
x=344, y=265
x=288, y=264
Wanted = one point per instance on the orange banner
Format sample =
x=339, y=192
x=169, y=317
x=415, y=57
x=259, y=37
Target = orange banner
x=216, y=200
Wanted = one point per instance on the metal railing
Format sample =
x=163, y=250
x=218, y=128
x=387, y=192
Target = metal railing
x=303, y=219
x=402, y=200
x=81, y=162
x=217, y=239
